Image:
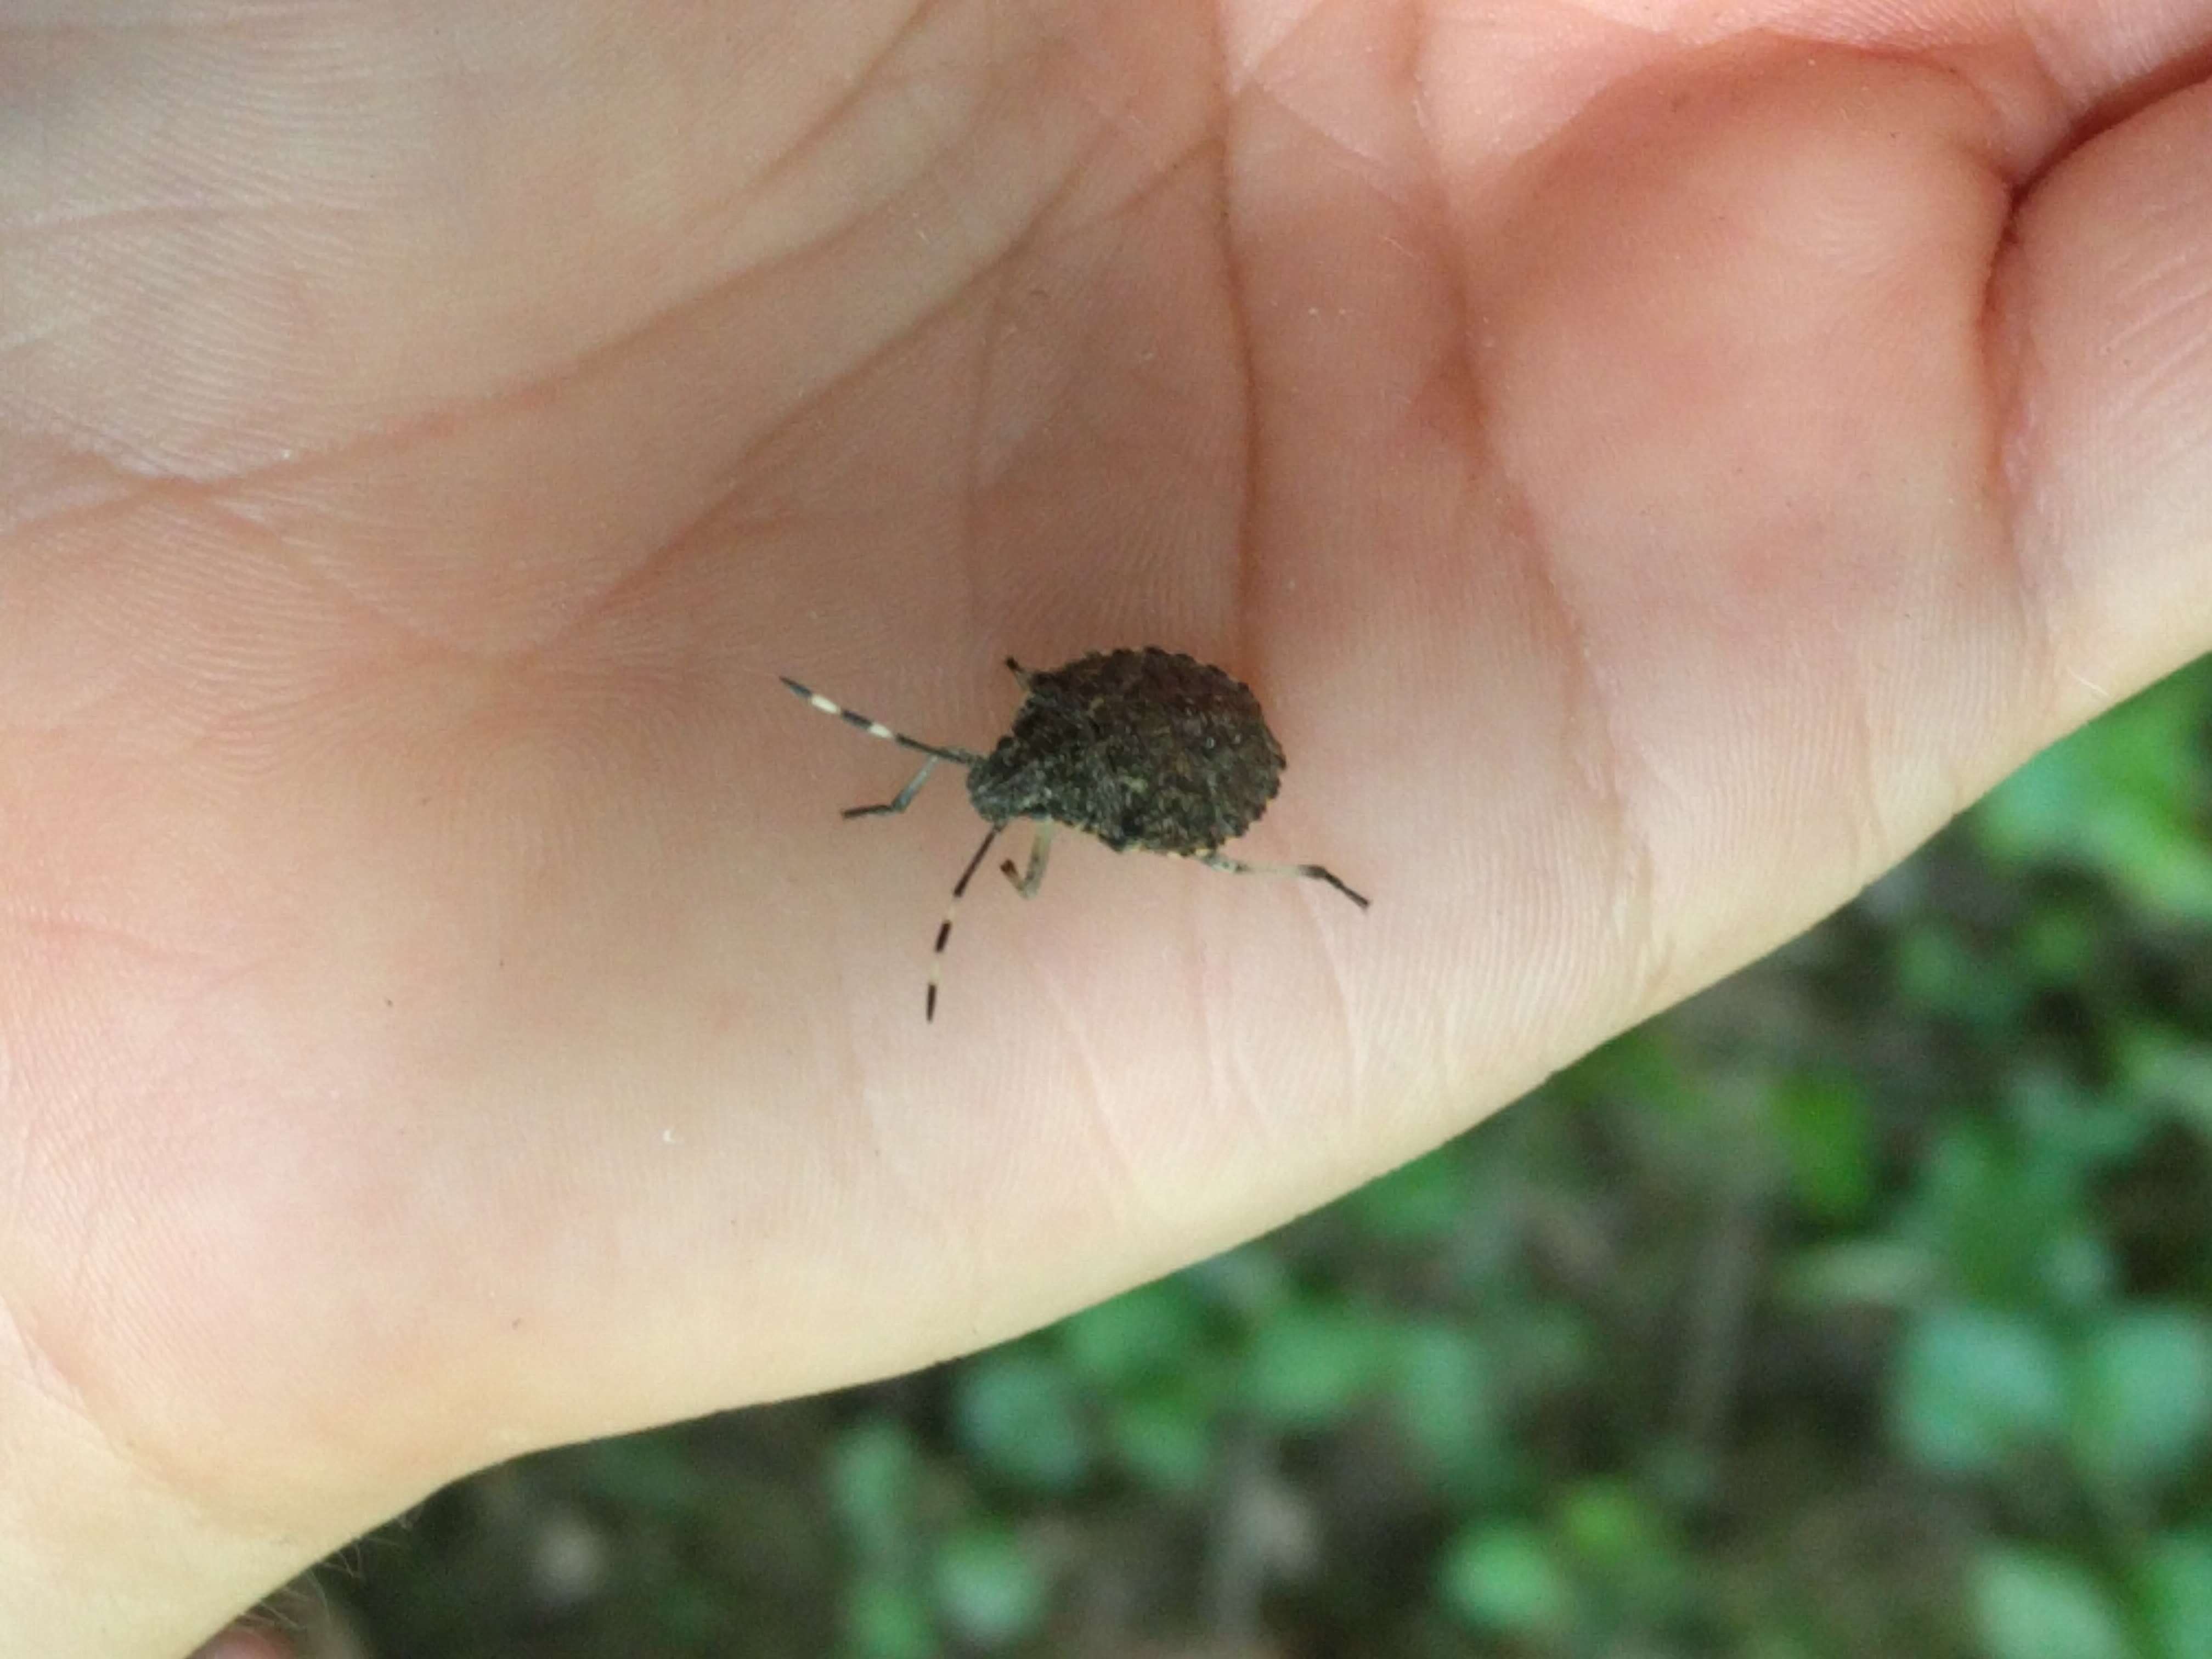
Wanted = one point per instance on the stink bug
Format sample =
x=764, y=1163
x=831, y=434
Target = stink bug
x=1145, y=749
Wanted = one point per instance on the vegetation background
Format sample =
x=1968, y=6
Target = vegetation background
x=1863, y=1306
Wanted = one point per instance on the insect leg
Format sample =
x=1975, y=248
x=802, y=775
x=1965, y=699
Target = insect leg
x=1313, y=872
x=901, y=801
x=876, y=728
x=945, y=927
x=1040, y=849
x=1020, y=673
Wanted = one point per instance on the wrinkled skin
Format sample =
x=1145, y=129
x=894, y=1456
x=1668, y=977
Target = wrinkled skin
x=1653, y=475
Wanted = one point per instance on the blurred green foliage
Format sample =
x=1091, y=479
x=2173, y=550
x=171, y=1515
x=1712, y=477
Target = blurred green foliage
x=1863, y=1306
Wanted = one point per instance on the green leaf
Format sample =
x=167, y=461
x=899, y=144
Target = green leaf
x=1827, y=1138
x=2058, y=943
x=1609, y=1523
x=2172, y=1069
x=873, y=1473
x=1018, y=1412
x=2031, y=1606
x=1975, y=1387
x=886, y=1619
x=1506, y=1578
x=1445, y=1397
x=1418, y=1203
x=1149, y=1332
x=2010, y=1220
x=1624, y=1542
x=2142, y=1404
x=1312, y=1363
x=2120, y=797
x=1643, y=1063
x=989, y=1587
x=1164, y=1437
x=1937, y=970
x=1249, y=1282
x=2176, y=1595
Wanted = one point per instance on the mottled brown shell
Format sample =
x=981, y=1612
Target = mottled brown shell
x=1145, y=749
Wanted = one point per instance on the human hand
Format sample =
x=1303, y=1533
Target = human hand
x=1651, y=484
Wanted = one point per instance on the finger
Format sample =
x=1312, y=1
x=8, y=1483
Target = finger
x=2105, y=309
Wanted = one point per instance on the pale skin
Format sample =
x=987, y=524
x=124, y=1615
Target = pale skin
x=1655, y=463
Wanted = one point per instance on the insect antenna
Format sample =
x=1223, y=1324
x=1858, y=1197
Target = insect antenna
x=945, y=927
x=876, y=728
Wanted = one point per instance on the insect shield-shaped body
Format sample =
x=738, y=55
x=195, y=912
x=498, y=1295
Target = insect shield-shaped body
x=1142, y=748
x=1147, y=749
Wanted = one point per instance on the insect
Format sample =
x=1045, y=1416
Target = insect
x=1144, y=748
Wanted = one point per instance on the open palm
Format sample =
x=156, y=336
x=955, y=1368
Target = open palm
x=1651, y=480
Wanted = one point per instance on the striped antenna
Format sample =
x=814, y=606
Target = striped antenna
x=945, y=927
x=876, y=728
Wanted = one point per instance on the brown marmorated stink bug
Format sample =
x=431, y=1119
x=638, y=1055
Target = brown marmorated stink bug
x=1148, y=749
